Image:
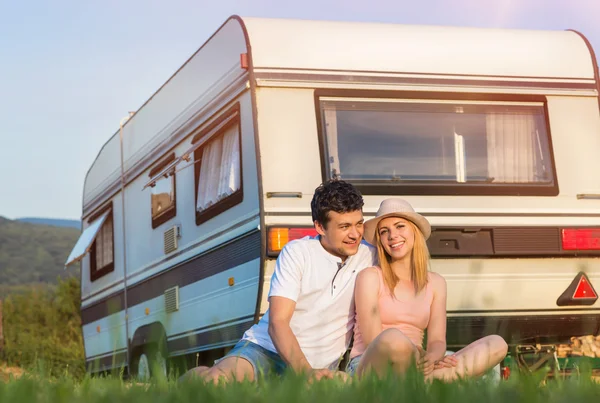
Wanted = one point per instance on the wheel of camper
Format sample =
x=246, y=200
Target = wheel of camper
x=149, y=363
x=143, y=368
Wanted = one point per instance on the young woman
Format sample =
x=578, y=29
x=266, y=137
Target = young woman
x=399, y=299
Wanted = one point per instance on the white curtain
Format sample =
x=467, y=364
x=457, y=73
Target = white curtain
x=104, y=246
x=208, y=182
x=229, y=180
x=459, y=158
x=331, y=132
x=220, y=169
x=511, y=142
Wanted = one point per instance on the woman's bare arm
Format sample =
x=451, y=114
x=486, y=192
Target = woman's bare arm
x=366, y=298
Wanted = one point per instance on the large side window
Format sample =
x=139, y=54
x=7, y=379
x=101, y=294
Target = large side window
x=218, y=166
x=102, y=255
x=163, y=196
x=439, y=146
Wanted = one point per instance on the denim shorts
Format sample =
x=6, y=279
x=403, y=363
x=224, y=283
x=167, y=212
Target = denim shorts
x=262, y=360
x=353, y=365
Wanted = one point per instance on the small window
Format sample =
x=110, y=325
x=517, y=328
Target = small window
x=162, y=198
x=218, y=172
x=439, y=146
x=102, y=255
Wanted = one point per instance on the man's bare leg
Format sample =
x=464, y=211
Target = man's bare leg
x=195, y=372
x=229, y=369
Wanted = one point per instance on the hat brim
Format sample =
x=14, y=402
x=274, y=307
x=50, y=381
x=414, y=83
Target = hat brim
x=417, y=219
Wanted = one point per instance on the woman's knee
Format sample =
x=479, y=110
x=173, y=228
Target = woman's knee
x=395, y=343
x=494, y=346
x=499, y=346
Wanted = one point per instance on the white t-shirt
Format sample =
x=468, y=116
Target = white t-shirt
x=323, y=289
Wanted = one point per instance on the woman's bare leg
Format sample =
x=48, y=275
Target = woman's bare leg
x=475, y=359
x=391, y=347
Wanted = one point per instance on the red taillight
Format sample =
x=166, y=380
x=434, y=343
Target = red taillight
x=279, y=236
x=581, y=239
x=505, y=372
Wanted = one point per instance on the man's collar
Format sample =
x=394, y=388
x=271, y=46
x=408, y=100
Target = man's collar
x=329, y=255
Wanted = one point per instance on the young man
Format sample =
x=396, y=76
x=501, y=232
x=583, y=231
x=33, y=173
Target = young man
x=310, y=319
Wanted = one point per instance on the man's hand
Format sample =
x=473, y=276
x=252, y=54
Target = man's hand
x=324, y=373
x=318, y=374
x=426, y=362
x=448, y=361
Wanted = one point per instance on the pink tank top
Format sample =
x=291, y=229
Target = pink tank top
x=411, y=317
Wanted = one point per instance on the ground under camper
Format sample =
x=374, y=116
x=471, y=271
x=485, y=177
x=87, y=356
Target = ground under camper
x=492, y=134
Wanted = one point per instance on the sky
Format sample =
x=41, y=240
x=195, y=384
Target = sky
x=71, y=70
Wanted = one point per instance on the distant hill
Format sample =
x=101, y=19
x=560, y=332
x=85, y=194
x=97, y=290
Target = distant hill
x=52, y=221
x=34, y=253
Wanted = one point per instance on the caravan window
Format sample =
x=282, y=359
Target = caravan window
x=218, y=173
x=438, y=146
x=162, y=196
x=102, y=256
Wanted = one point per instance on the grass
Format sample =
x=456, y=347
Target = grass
x=35, y=387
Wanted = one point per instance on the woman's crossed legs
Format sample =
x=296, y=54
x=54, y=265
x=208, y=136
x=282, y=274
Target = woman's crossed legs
x=393, y=348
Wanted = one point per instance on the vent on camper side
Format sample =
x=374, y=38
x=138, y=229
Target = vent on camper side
x=171, y=236
x=172, y=299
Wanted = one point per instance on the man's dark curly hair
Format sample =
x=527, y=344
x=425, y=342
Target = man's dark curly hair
x=334, y=195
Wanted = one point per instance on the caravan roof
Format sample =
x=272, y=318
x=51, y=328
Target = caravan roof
x=326, y=50
x=383, y=47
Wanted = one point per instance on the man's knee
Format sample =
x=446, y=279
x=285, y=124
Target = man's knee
x=214, y=375
x=231, y=369
x=194, y=373
x=228, y=369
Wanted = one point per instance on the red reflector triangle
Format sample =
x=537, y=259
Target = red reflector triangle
x=584, y=289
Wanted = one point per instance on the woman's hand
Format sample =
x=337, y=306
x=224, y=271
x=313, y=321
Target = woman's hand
x=448, y=361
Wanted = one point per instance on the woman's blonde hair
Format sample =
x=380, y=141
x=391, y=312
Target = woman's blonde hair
x=419, y=262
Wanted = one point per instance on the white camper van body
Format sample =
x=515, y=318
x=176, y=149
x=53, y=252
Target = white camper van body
x=297, y=102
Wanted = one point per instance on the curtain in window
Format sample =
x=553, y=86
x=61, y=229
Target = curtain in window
x=220, y=169
x=229, y=180
x=331, y=131
x=104, y=244
x=511, y=142
x=209, y=174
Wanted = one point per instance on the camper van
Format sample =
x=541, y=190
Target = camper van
x=492, y=134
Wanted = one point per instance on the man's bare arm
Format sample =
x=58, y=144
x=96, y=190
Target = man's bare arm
x=281, y=310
